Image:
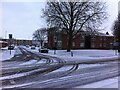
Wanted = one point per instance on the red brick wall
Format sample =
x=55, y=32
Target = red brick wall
x=50, y=41
x=77, y=42
x=105, y=42
x=99, y=40
x=64, y=41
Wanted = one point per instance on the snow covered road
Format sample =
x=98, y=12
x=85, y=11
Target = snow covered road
x=30, y=69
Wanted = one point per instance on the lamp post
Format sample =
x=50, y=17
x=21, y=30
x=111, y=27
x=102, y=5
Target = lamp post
x=6, y=34
x=10, y=39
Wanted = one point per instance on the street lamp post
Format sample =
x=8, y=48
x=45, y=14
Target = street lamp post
x=10, y=39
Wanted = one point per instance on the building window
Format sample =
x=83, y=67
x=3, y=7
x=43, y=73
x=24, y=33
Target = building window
x=92, y=45
x=100, y=44
x=93, y=38
x=55, y=39
x=82, y=44
x=101, y=38
x=104, y=44
x=73, y=44
x=82, y=37
x=59, y=44
x=59, y=37
x=104, y=38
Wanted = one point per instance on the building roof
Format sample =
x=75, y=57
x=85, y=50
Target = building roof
x=89, y=32
x=96, y=33
x=3, y=42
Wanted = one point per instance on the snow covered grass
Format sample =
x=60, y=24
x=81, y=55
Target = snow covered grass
x=82, y=55
x=17, y=52
x=5, y=54
x=5, y=48
x=85, y=53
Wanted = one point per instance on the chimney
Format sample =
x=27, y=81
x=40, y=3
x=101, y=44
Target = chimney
x=107, y=33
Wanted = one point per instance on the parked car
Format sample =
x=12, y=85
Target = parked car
x=32, y=47
x=43, y=50
x=11, y=47
x=27, y=46
x=38, y=46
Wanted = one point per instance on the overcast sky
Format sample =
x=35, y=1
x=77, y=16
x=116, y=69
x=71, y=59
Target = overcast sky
x=22, y=17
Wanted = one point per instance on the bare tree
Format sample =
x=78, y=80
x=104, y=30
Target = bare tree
x=116, y=27
x=116, y=31
x=40, y=35
x=74, y=17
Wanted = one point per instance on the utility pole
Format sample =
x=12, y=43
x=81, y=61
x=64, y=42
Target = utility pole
x=5, y=34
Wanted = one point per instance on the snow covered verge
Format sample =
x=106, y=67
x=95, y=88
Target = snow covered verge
x=80, y=56
x=5, y=54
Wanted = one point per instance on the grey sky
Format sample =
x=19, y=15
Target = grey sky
x=23, y=18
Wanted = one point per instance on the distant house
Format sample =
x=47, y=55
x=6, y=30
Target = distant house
x=16, y=42
x=84, y=40
x=3, y=44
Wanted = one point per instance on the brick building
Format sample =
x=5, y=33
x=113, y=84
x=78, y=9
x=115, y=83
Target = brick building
x=85, y=40
x=3, y=44
x=16, y=42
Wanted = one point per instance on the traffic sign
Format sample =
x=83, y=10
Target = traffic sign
x=10, y=36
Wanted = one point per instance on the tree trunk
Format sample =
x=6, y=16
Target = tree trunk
x=119, y=40
x=69, y=44
x=118, y=45
x=70, y=29
x=41, y=42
